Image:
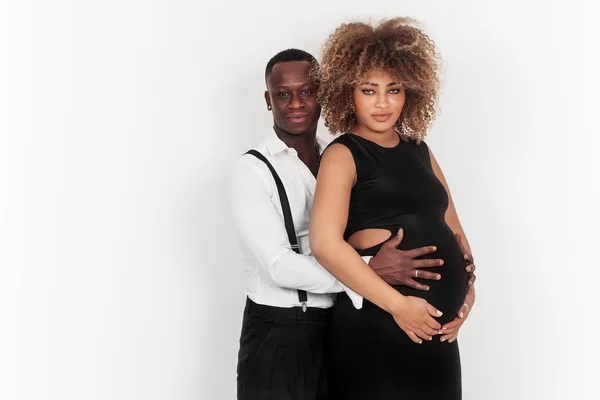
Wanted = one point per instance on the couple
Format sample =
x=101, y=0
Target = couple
x=386, y=245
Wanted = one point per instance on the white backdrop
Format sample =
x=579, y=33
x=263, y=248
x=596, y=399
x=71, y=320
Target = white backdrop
x=120, y=276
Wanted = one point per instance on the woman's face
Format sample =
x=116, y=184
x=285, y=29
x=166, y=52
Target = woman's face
x=378, y=102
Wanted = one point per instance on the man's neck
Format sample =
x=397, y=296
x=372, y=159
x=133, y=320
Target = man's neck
x=305, y=145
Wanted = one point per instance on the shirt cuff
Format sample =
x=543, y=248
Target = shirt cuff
x=357, y=299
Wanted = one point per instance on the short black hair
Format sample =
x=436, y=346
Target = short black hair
x=289, y=55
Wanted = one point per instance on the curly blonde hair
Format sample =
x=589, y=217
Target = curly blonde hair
x=396, y=46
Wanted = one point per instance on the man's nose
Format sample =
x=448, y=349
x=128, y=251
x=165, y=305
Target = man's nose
x=296, y=102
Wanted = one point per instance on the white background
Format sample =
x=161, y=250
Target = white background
x=120, y=276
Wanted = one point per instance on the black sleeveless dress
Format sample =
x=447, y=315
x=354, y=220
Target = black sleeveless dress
x=371, y=357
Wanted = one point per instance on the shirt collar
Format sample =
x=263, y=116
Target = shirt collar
x=321, y=144
x=276, y=145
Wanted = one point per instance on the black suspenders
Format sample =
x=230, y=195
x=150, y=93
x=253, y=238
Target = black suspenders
x=287, y=215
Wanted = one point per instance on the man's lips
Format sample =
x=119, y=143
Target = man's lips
x=297, y=118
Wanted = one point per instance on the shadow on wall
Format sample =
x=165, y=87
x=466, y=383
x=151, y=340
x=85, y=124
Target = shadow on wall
x=210, y=239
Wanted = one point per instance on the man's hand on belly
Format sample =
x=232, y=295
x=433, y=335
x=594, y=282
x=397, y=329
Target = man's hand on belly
x=399, y=267
x=470, y=268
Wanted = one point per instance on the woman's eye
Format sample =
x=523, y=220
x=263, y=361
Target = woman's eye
x=306, y=92
x=368, y=91
x=395, y=91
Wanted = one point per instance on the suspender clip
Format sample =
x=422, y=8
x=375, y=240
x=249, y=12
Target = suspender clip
x=304, y=306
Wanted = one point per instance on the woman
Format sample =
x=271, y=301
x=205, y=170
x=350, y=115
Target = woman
x=379, y=85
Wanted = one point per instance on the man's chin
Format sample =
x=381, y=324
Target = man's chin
x=298, y=130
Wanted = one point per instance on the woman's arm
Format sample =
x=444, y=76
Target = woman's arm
x=451, y=214
x=453, y=222
x=328, y=221
x=451, y=329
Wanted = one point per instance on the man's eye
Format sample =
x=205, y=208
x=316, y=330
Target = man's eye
x=283, y=94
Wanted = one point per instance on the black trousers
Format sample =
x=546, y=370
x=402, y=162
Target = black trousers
x=281, y=354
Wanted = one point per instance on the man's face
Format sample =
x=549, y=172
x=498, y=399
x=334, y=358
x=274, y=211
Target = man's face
x=293, y=96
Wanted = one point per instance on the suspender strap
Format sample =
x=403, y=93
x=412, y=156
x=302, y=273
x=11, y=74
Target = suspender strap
x=287, y=215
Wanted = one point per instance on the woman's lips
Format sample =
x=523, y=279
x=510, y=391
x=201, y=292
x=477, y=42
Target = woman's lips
x=381, y=117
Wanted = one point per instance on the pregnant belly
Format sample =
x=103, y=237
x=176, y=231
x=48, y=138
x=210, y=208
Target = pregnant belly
x=447, y=294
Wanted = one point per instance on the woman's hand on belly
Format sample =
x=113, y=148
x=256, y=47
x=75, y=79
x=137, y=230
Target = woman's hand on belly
x=450, y=330
x=415, y=318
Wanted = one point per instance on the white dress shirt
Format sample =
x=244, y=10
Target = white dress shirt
x=274, y=272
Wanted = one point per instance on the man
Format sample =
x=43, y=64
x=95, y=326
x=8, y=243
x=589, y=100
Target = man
x=281, y=352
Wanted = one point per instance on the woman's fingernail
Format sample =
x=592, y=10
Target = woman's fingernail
x=440, y=313
x=443, y=340
x=461, y=314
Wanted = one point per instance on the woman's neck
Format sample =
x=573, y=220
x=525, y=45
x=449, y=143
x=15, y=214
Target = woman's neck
x=387, y=138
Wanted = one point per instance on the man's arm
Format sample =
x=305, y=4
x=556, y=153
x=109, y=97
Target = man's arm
x=261, y=230
x=399, y=267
